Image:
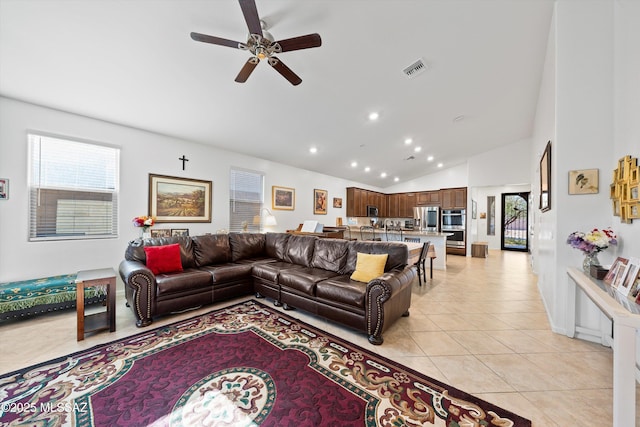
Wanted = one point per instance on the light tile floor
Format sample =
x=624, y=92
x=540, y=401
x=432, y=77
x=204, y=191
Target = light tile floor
x=479, y=326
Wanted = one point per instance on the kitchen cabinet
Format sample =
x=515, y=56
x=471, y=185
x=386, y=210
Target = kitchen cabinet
x=454, y=198
x=358, y=199
x=428, y=198
x=407, y=203
x=393, y=205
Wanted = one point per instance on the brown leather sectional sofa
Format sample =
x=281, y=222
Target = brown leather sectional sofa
x=296, y=271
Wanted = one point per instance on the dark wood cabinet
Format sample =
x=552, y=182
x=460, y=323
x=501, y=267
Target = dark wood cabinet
x=454, y=198
x=428, y=198
x=400, y=205
x=358, y=199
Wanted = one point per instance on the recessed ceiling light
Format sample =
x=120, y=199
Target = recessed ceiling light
x=408, y=141
x=313, y=150
x=440, y=165
x=417, y=149
x=430, y=159
x=354, y=164
x=374, y=116
x=396, y=179
x=367, y=169
x=383, y=175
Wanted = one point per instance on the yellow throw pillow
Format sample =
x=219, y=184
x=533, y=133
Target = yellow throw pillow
x=369, y=266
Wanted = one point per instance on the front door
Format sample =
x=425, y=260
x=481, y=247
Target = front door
x=515, y=222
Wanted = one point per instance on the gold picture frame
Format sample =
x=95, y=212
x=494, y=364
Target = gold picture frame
x=320, y=202
x=625, y=200
x=174, y=199
x=283, y=198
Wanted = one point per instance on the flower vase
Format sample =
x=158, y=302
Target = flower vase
x=145, y=233
x=589, y=260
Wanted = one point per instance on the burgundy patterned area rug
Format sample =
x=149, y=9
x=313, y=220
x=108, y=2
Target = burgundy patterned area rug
x=245, y=365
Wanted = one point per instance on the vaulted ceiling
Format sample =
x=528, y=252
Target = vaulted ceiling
x=134, y=63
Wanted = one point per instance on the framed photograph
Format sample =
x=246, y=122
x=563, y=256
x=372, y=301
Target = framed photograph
x=179, y=232
x=584, y=181
x=545, y=179
x=173, y=199
x=161, y=232
x=4, y=189
x=337, y=202
x=628, y=283
x=320, y=202
x=283, y=198
x=611, y=275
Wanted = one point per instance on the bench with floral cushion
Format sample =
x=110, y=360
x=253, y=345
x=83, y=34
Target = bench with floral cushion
x=29, y=297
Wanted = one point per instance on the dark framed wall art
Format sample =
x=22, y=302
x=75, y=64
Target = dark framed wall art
x=173, y=199
x=545, y=179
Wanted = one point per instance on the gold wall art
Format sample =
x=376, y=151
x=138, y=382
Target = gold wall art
x=624, y=190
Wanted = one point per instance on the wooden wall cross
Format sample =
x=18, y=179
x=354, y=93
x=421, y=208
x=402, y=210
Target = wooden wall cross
x=184, y=159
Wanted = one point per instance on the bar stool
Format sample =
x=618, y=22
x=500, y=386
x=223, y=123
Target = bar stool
x=367, y=232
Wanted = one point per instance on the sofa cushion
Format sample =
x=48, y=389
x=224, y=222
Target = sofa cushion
x=229, y=272
x=163, y=259
x=398, y=254
x=269, y=271
x=276, y=245
x=185, y=281
x=369, y=266
x=342, y=290
x=211, y=249
x=246, y=245
x=330, y=254
x=135, y=249
x=303, y=279
x=300, y=250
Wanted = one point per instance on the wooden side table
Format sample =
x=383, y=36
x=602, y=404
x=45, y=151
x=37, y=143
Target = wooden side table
x=480, y=249
x=102, y=320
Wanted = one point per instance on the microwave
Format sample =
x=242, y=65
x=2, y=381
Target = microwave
x=372, y=211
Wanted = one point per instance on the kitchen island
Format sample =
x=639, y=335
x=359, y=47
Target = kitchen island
x=438, y=240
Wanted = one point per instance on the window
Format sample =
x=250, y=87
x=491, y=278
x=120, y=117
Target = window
x=246, y=195
x=73, y=189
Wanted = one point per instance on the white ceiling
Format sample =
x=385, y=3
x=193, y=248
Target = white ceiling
x=132, y=62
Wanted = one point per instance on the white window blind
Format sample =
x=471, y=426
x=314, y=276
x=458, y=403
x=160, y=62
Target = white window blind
x=246, y=195
x=73, y=189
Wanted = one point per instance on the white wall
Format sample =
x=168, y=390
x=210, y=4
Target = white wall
x=455, y=176
x=142, y=153
x=588, y=108
x=627, y=103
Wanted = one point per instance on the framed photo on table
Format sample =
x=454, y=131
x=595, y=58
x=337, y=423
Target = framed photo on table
x=173, y=199
x=619, y=263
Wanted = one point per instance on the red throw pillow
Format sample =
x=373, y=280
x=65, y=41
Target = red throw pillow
x=163, y=259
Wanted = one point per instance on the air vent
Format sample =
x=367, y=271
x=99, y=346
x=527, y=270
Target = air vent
x=416, y=68
x=410, y=158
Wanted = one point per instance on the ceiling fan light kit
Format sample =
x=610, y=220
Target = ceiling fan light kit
x=261, y=44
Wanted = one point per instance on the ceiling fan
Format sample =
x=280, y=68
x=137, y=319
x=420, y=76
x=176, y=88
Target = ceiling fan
x=262, y=46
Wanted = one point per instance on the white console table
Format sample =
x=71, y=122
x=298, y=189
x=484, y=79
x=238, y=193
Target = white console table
x=625, y=315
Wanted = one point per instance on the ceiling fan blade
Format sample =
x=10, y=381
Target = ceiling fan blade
x=301, y=42
x=215, y=40
x=246, y=71
x=285, y=71
x=250, y=13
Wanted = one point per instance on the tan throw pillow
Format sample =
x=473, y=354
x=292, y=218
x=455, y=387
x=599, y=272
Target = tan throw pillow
x=369, y=266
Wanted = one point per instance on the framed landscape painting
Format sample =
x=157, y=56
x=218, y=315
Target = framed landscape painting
x=283, y=198
x=173, y=199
